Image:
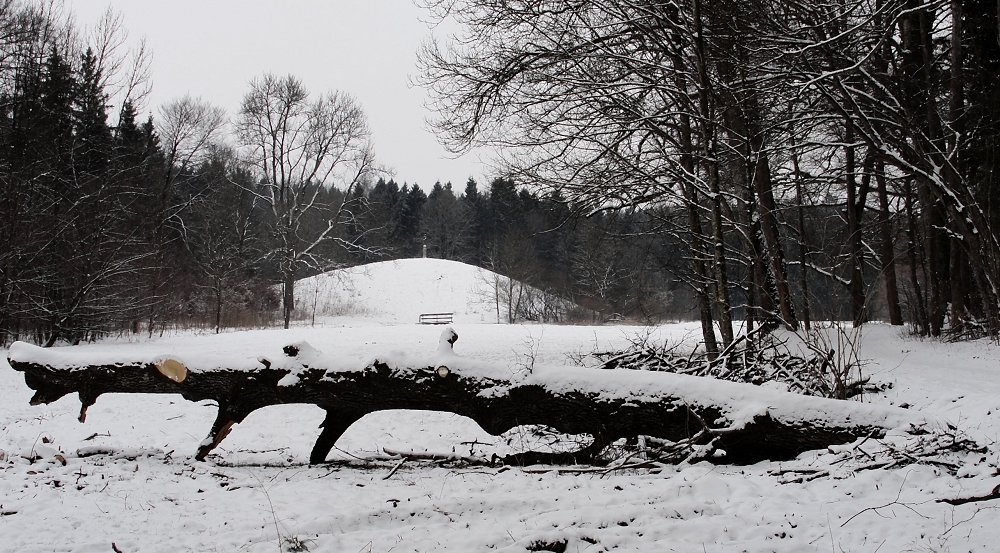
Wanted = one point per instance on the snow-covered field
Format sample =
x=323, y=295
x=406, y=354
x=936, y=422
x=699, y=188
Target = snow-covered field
x=129, y=480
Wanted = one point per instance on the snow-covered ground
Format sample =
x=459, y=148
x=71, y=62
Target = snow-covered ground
x=401, y=290
x=129, y=480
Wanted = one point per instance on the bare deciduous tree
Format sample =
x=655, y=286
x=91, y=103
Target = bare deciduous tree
x=299, y=147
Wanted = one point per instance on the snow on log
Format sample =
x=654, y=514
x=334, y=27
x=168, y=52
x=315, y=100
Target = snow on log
x=740, y=423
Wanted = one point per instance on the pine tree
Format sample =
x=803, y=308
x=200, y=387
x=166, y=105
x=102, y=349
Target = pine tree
x=504, y=206
x=476, y=210
x=385, y=206
x=92, y=134
x=409, y=221
x=443, y=223
x=55, y=120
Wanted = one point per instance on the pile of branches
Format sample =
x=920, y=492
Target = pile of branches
x=754, y=358
x=966, y=331
x=947, y=449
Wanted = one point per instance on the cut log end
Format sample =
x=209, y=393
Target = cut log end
x=172, y=369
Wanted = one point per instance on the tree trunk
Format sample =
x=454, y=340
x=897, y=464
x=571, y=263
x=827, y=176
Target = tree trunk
x=720, y=266
x=915, y=34
x=918, y=304
x=703, y=279
x=288, y=286
x=803, y=245
x=218, y=305
x=606, y=404
x=769, y=228
x=887, y=257
x=761, y=296
x=698, y=239
x=854, y=208
x=708, y=145
x=958, y=273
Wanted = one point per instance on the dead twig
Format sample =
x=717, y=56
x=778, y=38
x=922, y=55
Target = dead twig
x=395, y=468
x=890, y=504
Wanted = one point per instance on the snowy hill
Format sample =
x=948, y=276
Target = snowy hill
x=399, y=291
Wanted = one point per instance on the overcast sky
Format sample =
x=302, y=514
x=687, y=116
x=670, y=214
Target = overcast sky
x=213, y=48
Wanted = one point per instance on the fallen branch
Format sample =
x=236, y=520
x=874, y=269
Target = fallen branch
x=995, y=494
x=394, y=469
x=431, y=456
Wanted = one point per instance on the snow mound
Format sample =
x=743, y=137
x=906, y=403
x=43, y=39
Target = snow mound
x=400, y=291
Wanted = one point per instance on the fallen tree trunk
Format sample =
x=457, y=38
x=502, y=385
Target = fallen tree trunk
x=730, y=422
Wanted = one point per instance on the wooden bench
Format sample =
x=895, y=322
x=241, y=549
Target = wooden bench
x=436, y=318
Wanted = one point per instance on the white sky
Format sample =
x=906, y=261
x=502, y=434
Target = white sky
x=213, y=48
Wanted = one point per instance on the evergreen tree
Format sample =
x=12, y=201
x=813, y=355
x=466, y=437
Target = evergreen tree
x=409, y=220
x=92, y=134
x=385, y=207
x=504, y=207
x=556, y=241
x=55, y=118
x=471, y=193
x=443, y=223
x=476, y=210
x=129, y=145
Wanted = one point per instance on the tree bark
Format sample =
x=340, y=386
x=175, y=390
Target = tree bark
x=605, y=404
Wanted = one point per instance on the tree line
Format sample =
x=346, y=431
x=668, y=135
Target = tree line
x=851, y=139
